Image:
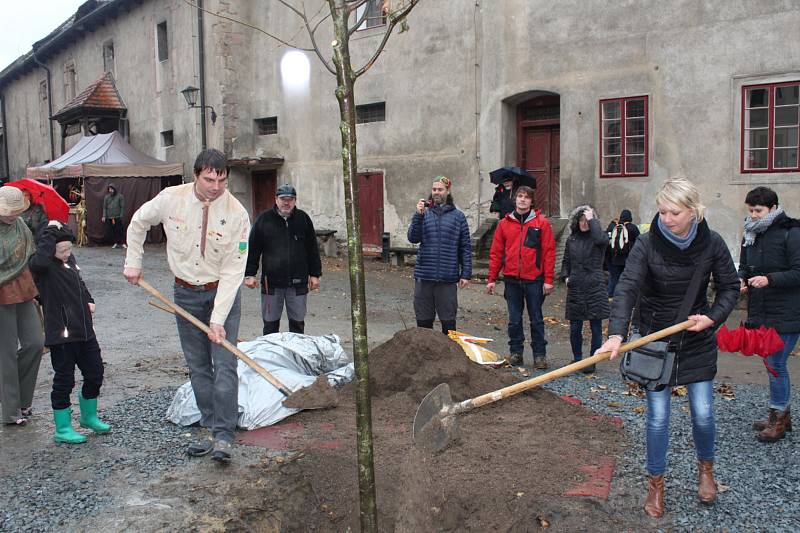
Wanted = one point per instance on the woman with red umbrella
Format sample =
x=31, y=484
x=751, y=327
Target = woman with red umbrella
x=769, y=269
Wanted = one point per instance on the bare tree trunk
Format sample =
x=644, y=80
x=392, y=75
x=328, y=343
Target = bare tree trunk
x=358, y=305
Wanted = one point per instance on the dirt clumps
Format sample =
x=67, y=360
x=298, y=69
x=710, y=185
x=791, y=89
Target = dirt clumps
x=318, y=395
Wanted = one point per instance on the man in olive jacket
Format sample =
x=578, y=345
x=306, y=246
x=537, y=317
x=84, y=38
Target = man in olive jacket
x=284, y=241
x=113, y=214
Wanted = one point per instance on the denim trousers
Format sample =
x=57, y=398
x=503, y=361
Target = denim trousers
x=614, y=272
x=518, y=296
x=576, y=337
x=212, y=368
x=779, y=387
x=701, y=405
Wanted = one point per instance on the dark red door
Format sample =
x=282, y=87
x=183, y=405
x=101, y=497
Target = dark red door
x=540, y=158
x=370, y=207
x=264, y=183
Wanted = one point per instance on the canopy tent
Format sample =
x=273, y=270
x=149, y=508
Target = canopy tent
x=107, y=159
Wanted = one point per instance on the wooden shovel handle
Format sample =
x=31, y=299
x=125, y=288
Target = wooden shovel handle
x=511, y=390
x=233, y=349
x=170, y=311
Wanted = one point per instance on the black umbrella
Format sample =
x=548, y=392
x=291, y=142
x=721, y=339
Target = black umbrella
x=516, y=174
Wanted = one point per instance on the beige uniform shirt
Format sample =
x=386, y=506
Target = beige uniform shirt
x=181, y=212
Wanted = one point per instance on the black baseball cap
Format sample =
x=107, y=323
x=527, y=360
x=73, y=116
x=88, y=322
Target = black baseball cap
x=286, y=190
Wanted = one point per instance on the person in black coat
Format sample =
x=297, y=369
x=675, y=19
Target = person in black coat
x=769, y=268
x=622, y=235
x=69, y=332
x=283, y=240
x=503, y=199
x=657, y=275
x=582, y=271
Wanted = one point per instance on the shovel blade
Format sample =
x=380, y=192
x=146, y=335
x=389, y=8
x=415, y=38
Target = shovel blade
x=434, y=428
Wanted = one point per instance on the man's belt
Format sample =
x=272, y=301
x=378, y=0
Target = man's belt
x=207, y=287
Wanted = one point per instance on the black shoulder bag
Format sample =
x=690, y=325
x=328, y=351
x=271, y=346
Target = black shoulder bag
x=651, y=365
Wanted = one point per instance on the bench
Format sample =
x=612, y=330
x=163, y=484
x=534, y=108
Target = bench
x=400, y=254
x=326, y=239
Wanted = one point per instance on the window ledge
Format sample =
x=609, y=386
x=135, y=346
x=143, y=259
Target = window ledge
x=754, y=178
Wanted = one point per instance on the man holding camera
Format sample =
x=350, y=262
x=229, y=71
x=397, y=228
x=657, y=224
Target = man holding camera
x=444, y=259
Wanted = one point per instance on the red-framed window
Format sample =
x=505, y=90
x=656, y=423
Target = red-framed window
x=624, y=138
x=771, y=127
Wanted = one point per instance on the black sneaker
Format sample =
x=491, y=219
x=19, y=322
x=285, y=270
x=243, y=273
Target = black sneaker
x=515, y=359
x=222, y=452
x=200, y=447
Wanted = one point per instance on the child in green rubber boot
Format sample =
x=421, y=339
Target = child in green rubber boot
x=69, y=332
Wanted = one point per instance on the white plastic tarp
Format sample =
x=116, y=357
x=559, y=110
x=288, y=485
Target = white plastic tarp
x=296, y=360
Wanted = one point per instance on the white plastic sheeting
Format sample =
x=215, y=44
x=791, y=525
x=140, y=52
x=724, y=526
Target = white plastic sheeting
x=296, y=360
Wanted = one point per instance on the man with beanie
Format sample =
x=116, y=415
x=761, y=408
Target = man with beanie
x=113, y=214
x=206, y=229
x=524, y=249
x=68, y=330
x=444, y=259
x=283, y=240
x=622, y=236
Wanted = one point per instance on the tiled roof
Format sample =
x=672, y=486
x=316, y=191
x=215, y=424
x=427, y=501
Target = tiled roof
x=101, y=94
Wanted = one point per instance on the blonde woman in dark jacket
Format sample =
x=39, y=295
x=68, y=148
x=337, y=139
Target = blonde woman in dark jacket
x=657, y=275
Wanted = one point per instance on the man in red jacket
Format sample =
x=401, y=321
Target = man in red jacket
x=524, y=248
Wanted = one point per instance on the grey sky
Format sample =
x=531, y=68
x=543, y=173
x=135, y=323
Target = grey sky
x=23, y=22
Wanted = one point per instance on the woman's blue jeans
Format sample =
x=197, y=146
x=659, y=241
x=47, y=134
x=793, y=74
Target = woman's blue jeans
x=701, y=405
x=779, y=387
x=576, y=337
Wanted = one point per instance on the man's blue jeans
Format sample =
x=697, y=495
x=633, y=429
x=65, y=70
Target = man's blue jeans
x=779, y=387
x=519, y=295
x=701, y=405
x=576, y=337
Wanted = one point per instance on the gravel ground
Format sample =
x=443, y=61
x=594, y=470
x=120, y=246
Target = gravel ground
x=759, y=481
x=44, y=495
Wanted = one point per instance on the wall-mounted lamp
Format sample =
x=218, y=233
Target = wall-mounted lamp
x=190, y=93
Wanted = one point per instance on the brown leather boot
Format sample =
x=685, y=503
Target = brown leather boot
x=706, y=486
x=654, y=504
x=776, y=429
x=761, y=425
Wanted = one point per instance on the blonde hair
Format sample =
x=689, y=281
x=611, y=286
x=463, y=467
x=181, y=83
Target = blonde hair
x=682, y=192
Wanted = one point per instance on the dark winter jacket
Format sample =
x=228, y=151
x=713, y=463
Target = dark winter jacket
x=113, y=205
x=776, y=255
x=445, y=249
x=64, y=297
x=502, y=202
x=658, y=274
x=615, y=255
x=587, y=294
x=523, y=251
x=287, y=249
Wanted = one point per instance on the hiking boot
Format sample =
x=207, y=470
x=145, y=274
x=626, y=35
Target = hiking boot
x=589, y=369
x=202, y=446
x=706, y=486
x=64, y=431
x=89, y=418
x=222, y=452
x=654, y=504
x=515, y=359
x=776, y=427
x=761, y=425
x=540, y=362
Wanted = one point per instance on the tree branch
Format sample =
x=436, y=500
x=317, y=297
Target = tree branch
x=315, y=47
x=394, y=19
x=361, y=19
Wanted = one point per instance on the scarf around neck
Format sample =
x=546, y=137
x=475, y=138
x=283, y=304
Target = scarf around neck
x=16, y=246
x=754, y=227
x=681, y=242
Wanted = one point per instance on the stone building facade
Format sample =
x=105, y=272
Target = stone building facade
x=601, y=100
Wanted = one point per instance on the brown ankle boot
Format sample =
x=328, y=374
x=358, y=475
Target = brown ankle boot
x=761, y=425
x=776, y=429
x=654, y=504
x=706, y=486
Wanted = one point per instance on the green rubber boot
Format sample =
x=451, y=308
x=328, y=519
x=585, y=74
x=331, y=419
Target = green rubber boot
x=64, y=431
x=89, y=418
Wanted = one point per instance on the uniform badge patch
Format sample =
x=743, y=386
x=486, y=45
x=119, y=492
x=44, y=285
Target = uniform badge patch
x=242, y=247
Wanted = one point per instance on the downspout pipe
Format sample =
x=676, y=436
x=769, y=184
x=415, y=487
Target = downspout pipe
x=6, y=169
x=201, y=55
x=49, y=105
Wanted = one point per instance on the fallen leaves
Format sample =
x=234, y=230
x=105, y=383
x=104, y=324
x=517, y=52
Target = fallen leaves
x=726, y=391
x=543, y=522
x=680, y=391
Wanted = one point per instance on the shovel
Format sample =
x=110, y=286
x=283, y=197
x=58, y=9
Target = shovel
x=303, y=400
x=436, y=426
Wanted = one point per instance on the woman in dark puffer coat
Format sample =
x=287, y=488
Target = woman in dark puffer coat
x=582, y=271
x=657, y=274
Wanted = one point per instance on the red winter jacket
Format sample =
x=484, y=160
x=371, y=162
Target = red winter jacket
x=523, y=250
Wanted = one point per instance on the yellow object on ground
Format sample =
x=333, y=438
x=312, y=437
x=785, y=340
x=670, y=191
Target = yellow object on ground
x=471, y=346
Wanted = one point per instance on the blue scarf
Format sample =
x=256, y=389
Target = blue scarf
x=681, y=242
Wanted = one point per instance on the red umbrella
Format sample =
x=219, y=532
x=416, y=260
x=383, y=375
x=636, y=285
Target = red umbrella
x=763, y=342
x=55, y=207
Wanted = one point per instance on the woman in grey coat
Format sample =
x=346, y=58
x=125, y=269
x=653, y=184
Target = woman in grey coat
x=582, y=271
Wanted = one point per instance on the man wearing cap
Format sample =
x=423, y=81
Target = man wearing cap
x=206, y=231
x=444, y=259
x=283, y=240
